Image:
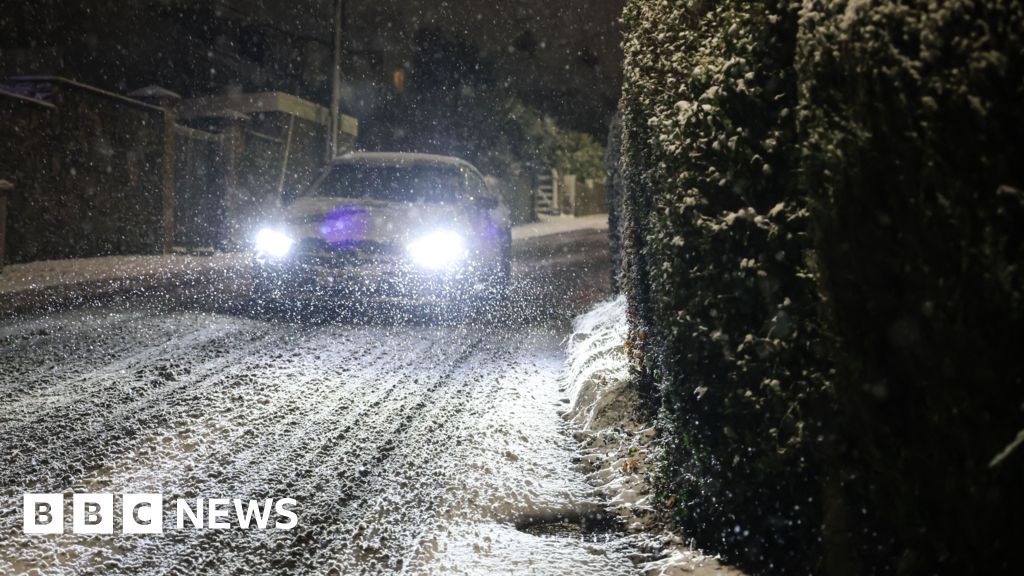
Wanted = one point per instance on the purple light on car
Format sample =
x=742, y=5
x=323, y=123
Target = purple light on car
x=492, y=230
x=344, y=225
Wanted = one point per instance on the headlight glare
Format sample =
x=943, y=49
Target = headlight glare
x=437, y=250
x=270, y=242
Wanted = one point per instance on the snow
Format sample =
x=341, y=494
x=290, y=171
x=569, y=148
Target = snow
x=549, y=225
x=54, y=278
x=598, y=370
x=400, y=158
x=418, y=447
x=51, y=284
x=409, y=447
x=618, y=447
x=48, y=273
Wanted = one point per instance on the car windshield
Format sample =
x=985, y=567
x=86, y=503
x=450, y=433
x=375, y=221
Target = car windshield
x=392, y=182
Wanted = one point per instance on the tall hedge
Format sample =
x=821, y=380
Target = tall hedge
x=823, y=234
x=912, y=130
x=725, y=322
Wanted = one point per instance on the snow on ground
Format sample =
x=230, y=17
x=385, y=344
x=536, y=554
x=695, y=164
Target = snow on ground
x=26, y=285
x=416, y=448
x=48, y=284
x=598, y=371
x=410, y=448
x=619, y=449
x=45, y=273
x=559, y=225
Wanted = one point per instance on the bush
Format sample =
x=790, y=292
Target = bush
x=912, y=133
x=615, y=189
x=538, y=141
x=455, y=105
x=722, y=298
x=823, y=248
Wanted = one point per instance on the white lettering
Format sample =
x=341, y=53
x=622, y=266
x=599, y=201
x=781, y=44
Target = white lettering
x=215, y=513
x=262, y=516
x=282, y=511
x=185, y=510
x=142, y=513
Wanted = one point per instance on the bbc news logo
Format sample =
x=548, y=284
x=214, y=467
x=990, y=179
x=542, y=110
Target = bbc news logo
x=144, y=513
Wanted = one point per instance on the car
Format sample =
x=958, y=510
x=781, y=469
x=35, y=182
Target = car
x=399, y=227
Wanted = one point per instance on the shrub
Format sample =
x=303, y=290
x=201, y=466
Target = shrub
x=823, y=253
x=912, y=131
x=722, y=298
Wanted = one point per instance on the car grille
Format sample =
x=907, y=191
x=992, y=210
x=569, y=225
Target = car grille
x=320, y=253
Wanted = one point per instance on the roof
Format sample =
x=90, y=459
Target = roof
x=249, y=103
x=85, y=87
x=154, y=91
x=26, y=99
x=402, y=158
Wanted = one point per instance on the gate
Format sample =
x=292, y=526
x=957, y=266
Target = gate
x=545, y=195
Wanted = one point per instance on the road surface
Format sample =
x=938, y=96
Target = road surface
x=410, y=445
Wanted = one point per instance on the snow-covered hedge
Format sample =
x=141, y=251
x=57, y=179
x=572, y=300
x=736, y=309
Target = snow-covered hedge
x=724, y=300
x=912, y=127
x=823, y=254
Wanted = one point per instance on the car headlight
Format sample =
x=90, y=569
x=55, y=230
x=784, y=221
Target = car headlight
x=270, y=242
x=437, y=250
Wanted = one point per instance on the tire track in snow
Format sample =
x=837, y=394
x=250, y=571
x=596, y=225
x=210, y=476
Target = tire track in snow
x=398, y=441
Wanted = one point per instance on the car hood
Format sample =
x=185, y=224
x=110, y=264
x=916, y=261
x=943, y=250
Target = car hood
x=340, y=221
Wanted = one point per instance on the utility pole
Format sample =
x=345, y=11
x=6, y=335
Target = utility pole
x=334, y=122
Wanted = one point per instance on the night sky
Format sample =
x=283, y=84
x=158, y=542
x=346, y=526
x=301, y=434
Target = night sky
x=562, y=58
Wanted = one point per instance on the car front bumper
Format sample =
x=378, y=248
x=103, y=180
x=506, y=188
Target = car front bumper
x=387, y=280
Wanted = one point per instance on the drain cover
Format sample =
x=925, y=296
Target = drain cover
x=594, y=526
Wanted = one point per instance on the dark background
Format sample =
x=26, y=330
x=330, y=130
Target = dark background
x=562, y=58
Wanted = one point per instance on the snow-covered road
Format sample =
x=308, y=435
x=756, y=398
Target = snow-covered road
x=409, y=447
